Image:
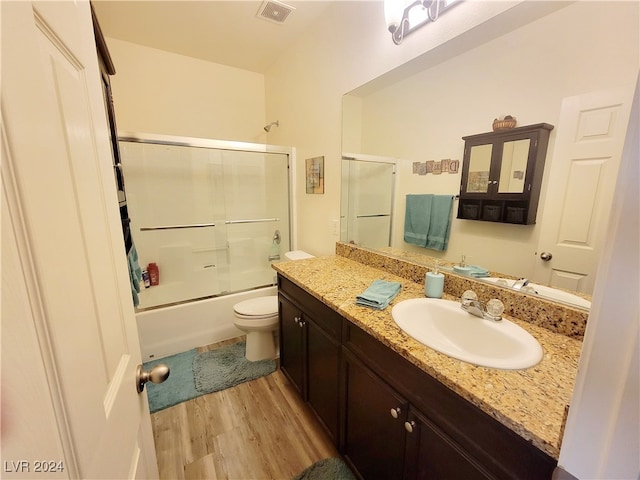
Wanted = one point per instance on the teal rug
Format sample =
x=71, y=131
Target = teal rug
x=179, y=387
x=194, y=374
x=327, y=469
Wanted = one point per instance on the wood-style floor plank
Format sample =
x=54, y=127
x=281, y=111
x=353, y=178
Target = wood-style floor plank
x=256, y=430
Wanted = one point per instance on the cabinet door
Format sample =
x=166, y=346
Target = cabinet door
x=432, y=455
x=323, y=360
x=375, y=415
x=292, y=344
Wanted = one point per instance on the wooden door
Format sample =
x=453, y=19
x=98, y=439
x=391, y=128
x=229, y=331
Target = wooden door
x=581, y=186
x=374, y=438
x=292, y=345
x=323, y=367
x=432, y=455
x=68, y=300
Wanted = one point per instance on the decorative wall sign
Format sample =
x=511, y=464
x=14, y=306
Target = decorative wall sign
x=315, y=174
x=436, y=168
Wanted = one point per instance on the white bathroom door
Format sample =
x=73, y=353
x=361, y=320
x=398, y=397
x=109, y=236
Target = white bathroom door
x=69, y=297
x=582, y=178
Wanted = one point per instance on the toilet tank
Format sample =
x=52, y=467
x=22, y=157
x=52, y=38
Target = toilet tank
x=297, y=255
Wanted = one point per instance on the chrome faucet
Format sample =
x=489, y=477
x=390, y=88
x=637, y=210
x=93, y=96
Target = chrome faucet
x=523, y=282
x=492, y=311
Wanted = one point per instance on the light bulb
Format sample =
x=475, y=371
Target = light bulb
x=393, y=11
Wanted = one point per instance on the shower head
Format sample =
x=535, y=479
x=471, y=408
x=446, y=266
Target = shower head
x=268, y=127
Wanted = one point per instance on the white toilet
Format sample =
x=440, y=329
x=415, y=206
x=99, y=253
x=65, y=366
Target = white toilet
x=258, y=318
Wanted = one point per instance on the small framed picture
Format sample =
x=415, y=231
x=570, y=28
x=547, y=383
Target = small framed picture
x=314, y=168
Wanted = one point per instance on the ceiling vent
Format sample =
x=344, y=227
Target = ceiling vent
x=274, y=11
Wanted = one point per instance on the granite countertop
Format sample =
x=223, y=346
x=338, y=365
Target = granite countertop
x=532, y=402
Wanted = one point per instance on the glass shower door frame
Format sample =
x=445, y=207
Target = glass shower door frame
x=232, y=147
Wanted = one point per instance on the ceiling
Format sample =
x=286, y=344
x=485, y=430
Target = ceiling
x=225, y=32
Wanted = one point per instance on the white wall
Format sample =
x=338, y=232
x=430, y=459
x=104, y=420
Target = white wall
x=165, y=93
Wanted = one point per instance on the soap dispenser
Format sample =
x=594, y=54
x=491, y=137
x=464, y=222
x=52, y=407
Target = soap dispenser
x=434, y=283
x=463, y=268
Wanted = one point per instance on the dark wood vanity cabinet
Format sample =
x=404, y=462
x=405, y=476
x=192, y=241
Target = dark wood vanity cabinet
x=502, y=174
x=388, y=418
x=310, y=351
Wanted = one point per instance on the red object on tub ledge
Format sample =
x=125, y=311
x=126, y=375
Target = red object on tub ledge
x=154, y=274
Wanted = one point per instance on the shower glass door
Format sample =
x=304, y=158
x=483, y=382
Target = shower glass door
x=206, y=216
x=367, y=202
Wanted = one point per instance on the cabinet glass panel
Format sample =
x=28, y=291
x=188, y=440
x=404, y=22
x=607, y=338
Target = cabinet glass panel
x=479, y=165
x=513, y=169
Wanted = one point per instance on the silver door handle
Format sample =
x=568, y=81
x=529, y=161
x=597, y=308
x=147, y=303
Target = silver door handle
x=546, y=256
x=157, y=374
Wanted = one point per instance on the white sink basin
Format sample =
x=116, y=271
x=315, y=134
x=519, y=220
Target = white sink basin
x=445, y=327
x=547, y=292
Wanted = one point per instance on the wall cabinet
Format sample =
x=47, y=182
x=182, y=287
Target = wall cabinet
x=388, y=418
x=310, y=351
x=502, y=174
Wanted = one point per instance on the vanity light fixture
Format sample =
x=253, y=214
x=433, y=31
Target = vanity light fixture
x=405, y=16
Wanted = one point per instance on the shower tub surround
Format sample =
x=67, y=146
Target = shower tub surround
x=533, y=403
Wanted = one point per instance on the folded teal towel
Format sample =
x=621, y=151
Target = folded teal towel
x=379, y=294
x=135, y=274
x=440, y=224
x=478, y=272
x=417, y=217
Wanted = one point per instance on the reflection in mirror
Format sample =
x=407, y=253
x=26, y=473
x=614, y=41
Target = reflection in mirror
x=367, y=201
x=514, y=166
x=382, y=118
x=479, y=166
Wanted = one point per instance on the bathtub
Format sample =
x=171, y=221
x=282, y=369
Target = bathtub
x=177, y=328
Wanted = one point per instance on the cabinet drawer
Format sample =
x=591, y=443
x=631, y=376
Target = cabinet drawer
x=326, y=318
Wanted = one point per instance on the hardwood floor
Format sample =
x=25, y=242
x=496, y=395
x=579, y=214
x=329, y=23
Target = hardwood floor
x=256, y=430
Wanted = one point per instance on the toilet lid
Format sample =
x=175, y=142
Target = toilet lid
x=260, y=306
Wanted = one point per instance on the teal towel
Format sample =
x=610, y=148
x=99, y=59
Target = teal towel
x=427, y=220
x=478, y=272
x=440, y=224
x=417, y=217
x=379, y=294
x=135, y=274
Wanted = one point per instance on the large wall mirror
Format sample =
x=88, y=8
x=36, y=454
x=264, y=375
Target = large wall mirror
x=539, y=72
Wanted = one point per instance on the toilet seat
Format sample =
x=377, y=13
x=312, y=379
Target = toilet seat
x=257, y=308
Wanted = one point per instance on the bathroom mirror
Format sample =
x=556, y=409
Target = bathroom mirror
x=479, y=166
x=514, y=164
x=421, y=110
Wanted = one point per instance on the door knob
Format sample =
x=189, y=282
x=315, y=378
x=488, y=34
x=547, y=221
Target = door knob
x=157, y=374
x=546, y=256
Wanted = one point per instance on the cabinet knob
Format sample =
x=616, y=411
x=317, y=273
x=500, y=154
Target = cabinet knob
x=395, y=412
x=297, y=319
x=302, y=323
x=409, y=426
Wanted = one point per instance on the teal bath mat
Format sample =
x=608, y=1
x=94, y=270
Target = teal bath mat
x=194, y=374
x=226, y=367
x=179, y=387
x=329, y=468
